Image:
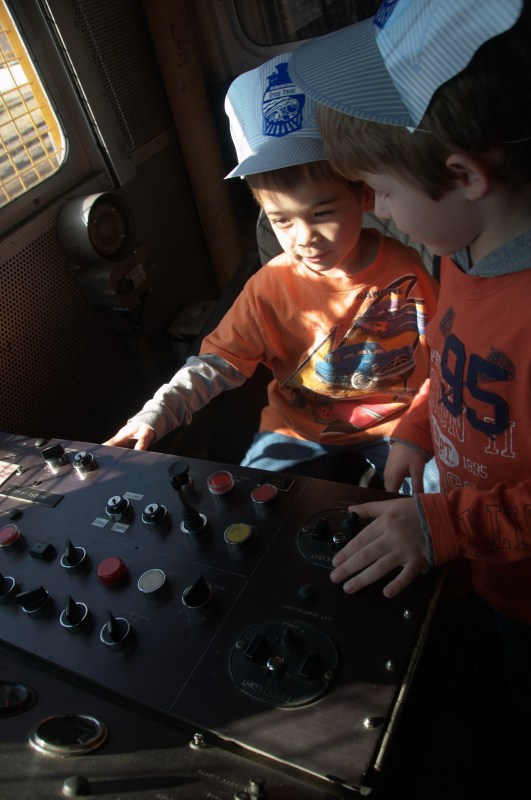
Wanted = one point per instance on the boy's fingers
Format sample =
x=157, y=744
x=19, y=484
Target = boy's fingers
x=406, y=576
x=370, y=510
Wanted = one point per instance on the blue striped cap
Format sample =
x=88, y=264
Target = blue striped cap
x=387, y=68
x=272, y=121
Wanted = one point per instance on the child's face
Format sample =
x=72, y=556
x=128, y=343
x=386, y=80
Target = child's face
x=319, y=223
x=444, y=226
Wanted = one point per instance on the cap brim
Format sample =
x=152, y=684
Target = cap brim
x=280, y=153
x=345, y=71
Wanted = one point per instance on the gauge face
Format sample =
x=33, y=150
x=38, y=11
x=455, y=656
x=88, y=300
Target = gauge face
x=68, y=735
x=15, y=698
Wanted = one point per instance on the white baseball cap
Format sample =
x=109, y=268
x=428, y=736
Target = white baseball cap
x=272, y=121
x=387, y=68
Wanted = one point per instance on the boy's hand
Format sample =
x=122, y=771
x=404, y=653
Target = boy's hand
x=404, y=461
x=135, y=434
x=394, y=539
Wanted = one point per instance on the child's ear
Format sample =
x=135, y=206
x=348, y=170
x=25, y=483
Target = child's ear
x=472, y=174
x=368, y=198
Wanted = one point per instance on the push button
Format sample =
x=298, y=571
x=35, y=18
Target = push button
x=112, y=571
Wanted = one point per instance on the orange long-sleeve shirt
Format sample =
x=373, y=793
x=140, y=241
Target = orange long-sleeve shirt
x=474, y=413
x=348, y=355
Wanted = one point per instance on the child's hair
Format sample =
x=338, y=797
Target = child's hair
x=484, y=108
x=289, y=179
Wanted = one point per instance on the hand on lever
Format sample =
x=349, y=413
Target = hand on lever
x=393, y=539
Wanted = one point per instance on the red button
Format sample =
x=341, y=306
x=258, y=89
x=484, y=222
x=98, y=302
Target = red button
x=9, y=534
x=220, y=482
x=111, y=571
x=263, y=494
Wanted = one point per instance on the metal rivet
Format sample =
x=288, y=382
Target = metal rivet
x=198, y=741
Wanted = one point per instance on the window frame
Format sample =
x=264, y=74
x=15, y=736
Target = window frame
x=94, y=143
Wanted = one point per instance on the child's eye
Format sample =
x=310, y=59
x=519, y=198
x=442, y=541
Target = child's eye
x=280, y=222
x=327, y=212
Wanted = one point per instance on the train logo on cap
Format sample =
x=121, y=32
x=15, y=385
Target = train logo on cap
x=282, y=104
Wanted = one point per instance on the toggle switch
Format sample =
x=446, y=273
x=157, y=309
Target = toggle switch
x=115, y=632
x=198, y=595
x=192, y=521
x=289, y=642
x=74, y=616
x=54, y=455
x=34, y=602
x=8, y=587
x=73, y=558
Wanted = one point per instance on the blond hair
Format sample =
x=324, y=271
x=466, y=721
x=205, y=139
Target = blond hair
x=483, y=109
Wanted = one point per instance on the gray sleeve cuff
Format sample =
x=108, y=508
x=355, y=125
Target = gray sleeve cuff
x=425, y=531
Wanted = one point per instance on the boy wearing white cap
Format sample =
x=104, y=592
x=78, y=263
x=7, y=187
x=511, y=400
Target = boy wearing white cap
x=429, y=103
x=338, y=317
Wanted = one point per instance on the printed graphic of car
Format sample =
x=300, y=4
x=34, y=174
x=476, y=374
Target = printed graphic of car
x=365, y=364
x=380, y=321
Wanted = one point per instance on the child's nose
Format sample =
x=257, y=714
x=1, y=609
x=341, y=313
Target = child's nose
x=305, y=233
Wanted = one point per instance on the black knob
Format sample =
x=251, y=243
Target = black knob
x=351, y=523
x=54, y=455
x=34, y=601
x=116, y=631
x=74, y=615
x=198, y=594
x=289, y=642
x=178, y=472
x=73, y=557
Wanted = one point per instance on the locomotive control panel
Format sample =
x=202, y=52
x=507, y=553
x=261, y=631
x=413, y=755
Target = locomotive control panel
x=161, y=611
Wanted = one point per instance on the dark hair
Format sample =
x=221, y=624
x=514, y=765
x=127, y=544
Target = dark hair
x=291, y=178
x=483, y=109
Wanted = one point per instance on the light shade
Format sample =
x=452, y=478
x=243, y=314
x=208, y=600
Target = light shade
x=96, y=228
